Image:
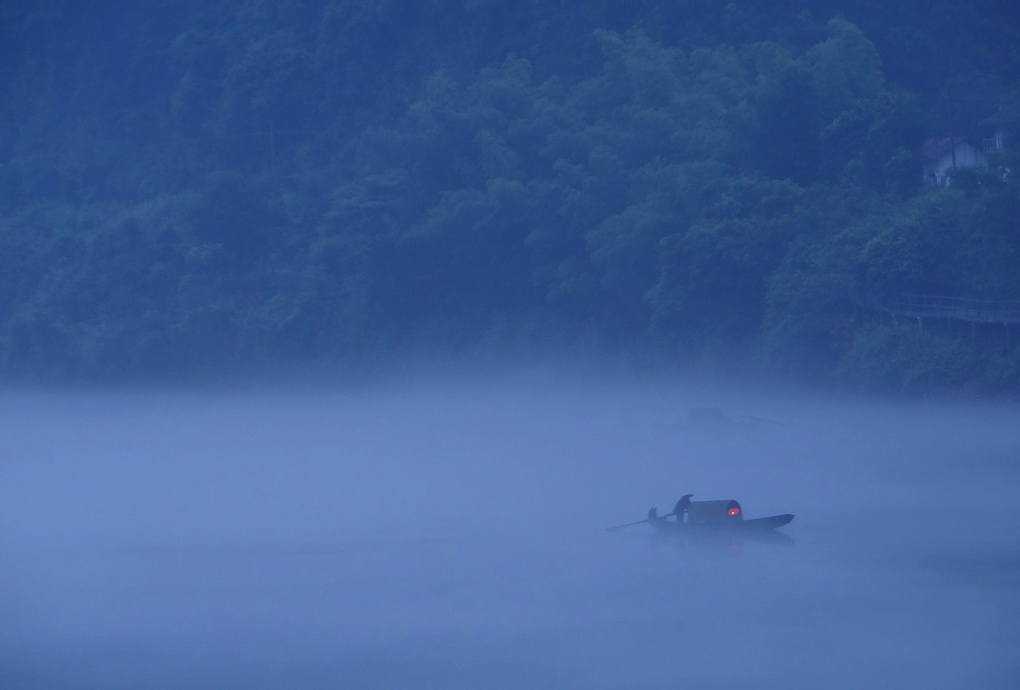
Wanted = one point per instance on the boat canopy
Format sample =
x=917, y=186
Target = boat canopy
x=714, y=511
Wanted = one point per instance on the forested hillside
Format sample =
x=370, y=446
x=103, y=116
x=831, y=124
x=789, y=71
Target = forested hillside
x=191, y=188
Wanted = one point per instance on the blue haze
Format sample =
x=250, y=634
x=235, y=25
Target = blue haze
x=446, y=535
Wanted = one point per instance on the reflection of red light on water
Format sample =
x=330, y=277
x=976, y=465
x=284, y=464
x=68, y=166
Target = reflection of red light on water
x=733, y=511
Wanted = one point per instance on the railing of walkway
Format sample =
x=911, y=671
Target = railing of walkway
x=959, y=308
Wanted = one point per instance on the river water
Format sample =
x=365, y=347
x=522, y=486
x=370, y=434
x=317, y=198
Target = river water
x=451, y=535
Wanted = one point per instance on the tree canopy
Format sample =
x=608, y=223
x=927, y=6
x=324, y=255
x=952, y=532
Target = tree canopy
x=190, y=188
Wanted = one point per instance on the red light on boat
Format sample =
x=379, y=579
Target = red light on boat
x=733, y=511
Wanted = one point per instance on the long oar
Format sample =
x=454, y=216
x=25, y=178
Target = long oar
x=639, y=522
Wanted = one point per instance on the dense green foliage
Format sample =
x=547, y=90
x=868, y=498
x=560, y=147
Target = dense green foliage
x=189, y=188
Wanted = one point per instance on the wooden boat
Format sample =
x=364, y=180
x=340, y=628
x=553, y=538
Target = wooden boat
x=721, y=516
x=712, y=517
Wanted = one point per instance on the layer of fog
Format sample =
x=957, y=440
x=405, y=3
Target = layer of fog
x=440, y=535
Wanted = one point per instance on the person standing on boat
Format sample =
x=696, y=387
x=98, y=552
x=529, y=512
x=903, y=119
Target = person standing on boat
x=681, y=507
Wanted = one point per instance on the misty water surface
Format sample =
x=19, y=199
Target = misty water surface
x=452, y=536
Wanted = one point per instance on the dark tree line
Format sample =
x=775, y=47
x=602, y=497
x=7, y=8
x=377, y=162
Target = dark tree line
x=188, y=188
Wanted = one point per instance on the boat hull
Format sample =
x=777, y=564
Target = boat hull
x=724, y=527
x=729, y=534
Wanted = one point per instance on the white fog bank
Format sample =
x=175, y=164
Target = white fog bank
x=435, y=535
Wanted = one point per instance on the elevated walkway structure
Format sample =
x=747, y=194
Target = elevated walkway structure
x=978, y=313
x=1003, y=312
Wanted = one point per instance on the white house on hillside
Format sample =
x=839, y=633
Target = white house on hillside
x=940, y=157
x=1003, y=125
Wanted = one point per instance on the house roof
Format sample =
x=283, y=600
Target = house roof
x=934, y=149
x=1006, y=115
